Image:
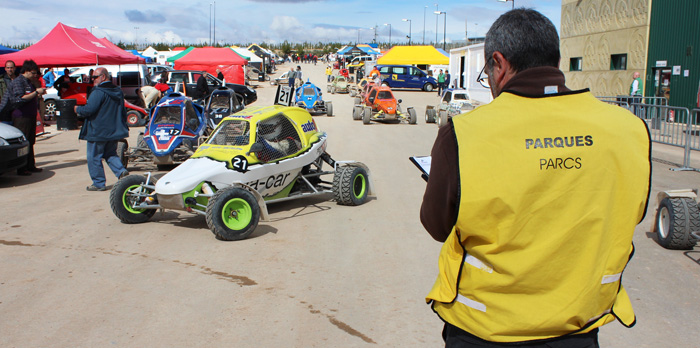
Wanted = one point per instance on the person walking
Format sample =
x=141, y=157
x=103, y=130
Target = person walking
x=49, y=77
x=329, y=72
x=536, y=201
x=636, y=90
x=440, y=82
x=104, y=125
x=298, y=75
x=292, y=75
x=448, y=82
x=25, y=100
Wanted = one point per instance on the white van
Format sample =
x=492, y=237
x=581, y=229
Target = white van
x=129, y=76
x=360, y=61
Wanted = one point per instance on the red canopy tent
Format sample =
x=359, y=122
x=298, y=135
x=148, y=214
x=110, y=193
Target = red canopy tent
x=211, y=58
x=68, y=46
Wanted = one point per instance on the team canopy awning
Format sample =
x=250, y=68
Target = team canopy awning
x=180, y=55
x=211, y=58
x=413, y=55
x=5, y=50
x=68, y=46
x=250, y=56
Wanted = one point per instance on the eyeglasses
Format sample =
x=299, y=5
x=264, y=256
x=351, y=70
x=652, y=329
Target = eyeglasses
x=95, y=77
x=483, y=79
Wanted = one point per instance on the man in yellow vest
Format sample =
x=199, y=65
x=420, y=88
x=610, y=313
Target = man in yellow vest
x=536, y=196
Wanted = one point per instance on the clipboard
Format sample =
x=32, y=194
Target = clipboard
x=423, y=164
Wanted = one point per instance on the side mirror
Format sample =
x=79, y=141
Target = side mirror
x=399, y=101
x=255, y=148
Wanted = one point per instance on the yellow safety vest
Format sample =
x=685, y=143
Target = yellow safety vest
x=551, y=190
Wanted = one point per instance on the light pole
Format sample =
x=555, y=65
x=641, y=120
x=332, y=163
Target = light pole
x=389, y=24
x=358, y=36
x=409, y=30
x=210, y=24
x=444, y=29
x=507, y=1
x=375, y=33
x=214, y=22
x=424, y=8
x=436, y=23
x=136, y=38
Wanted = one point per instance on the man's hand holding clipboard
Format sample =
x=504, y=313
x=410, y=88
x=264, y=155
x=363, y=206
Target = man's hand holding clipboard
x=423, y=163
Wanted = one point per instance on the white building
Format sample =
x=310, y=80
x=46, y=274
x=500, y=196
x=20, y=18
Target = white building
x=465, y=65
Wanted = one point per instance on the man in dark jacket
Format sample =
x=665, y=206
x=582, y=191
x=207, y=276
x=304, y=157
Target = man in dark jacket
x=104, y=126
x=202, y=88
x=25, y=101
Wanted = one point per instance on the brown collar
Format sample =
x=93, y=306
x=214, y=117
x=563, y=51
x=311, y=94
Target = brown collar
x=537, y=82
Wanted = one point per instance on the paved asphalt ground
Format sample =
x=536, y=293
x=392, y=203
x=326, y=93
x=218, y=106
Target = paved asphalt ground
x=317, y=275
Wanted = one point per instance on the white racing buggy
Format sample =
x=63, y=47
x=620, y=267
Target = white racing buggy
x=255, y=157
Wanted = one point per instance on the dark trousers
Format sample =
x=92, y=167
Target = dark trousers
x=457, y=338
x=28, y=127
x=291, y=83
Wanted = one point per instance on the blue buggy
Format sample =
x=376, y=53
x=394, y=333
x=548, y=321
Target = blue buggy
x=309, y=97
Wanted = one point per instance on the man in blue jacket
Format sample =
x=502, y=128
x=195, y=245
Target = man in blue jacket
x=104, y=125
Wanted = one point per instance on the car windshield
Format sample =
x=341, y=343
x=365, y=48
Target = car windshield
x=231, y=132
x=169, y=115
x=309, y=91
x=219, y=101
x=385, y=95
x=460, y=96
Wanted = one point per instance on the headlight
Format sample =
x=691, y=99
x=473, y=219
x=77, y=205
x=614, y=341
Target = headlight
x=4, y=142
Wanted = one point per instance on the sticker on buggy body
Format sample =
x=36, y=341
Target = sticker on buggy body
x=239, y=164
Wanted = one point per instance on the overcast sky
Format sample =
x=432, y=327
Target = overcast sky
x=242, y=21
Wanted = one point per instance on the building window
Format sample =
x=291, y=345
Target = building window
x=618, y=62
x=576, y=64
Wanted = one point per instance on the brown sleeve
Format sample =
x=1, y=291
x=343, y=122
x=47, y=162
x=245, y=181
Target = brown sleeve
x=438, y=212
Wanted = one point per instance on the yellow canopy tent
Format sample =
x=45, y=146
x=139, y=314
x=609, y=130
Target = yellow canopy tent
x=413, y=55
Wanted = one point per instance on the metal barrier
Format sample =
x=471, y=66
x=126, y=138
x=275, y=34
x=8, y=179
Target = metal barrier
x=628, y=99
x=670, y=125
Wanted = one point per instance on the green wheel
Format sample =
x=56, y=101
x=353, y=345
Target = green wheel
x=350, y=185
x=127, y=193
x=233, y=213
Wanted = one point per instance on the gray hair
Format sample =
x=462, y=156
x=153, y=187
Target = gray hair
x=525, y=37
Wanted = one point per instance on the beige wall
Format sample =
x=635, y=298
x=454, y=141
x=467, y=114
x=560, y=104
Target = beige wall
x=596, y=29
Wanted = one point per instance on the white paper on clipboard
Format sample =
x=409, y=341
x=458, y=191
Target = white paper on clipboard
x=422, y=162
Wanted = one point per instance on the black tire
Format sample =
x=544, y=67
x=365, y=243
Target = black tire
x=442, y=118
x=232, y=213
x=122, y=147
x=366, y=114
x=357, y=112
x=124, y=195
x=50, y=110
x=134, y=118
x=358, y=100
x=412, y=117
x=352, y=93
x=428, y=87
x=430, y=116
x=350, y=185
x=328, y=88
x=332, y=89
x=675, y=220
x=329, y=109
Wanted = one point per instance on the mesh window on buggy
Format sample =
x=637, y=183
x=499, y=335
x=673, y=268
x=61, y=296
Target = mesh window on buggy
x=168, y=115
x=219, y=101
x=461, y=96
x=448, y=97
x=278, y=137
x=384, y=95
x=191, y=119
x=309, y=91
x=231, y=132
x=372, y=95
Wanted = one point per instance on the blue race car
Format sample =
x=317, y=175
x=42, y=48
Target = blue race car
x=309, y=97
x=172, y=133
